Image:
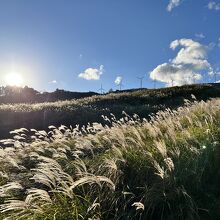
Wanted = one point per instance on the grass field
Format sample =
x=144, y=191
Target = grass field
x=163, y=168
x=87, y=110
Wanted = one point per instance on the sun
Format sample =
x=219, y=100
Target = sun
x=14, y=79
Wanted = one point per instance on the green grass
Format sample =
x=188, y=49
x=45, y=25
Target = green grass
x=163, y=168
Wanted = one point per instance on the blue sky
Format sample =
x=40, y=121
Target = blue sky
x=80, y=44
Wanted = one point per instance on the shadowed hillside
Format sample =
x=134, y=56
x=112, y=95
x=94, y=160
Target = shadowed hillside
x=13, y=94
x=90, y=109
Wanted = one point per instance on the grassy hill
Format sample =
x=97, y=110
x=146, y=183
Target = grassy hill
x=90, y=109
x=165, y=168
x=14, y=94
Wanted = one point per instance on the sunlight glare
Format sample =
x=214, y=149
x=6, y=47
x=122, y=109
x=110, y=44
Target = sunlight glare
x=14, y=79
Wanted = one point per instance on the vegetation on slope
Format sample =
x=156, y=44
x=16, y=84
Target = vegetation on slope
x=165, y=168
x=14, y=94
x=81, y=111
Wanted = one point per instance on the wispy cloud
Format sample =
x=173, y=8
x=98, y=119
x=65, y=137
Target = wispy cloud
x=200, y=35
x=92, y=73
x=212, y=5
x=219, y=42
x=186, y=67
x=118, y=80
x=214, y=72
x=211, y=45
x=173, y=4
x=53, y=82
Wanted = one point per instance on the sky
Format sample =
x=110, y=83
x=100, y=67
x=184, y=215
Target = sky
x=79, y=45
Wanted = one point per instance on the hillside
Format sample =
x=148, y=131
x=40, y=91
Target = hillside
x=13, y=94
x=165, y=168
x=90, y=109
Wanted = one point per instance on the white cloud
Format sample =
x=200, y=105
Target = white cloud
x=219, y=42
x=201, y=35
x=174, y=75
x=172, y=4
x=186, y=67
x=53, y=82
x=92, y=74
x=212, y=5
x=214, y=72
x=192, y=54
x=118, y=80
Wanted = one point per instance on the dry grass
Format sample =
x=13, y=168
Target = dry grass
x=164, y=168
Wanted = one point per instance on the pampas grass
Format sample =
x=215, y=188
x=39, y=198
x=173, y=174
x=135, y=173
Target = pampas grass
x=164, y=168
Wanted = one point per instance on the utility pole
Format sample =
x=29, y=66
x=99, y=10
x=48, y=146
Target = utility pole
x=172, y=80
x=154, y=81
x=194, y=78
x=215, y=76
x=141, y=81
x=120, y=85
x=101, y=90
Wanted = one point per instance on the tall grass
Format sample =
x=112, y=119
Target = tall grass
x=163, y=168
x=84, y=110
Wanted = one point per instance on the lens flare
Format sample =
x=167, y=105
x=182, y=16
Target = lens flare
x=14, y=79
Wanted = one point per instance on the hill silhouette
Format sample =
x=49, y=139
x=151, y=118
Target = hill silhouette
x=13, y=94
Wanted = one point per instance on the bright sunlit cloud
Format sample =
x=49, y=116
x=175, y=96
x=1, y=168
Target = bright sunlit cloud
x=92, y=73
x=186, y=67
x=14, y=79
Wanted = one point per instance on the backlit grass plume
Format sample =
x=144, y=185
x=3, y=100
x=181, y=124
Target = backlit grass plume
x=163, y=168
